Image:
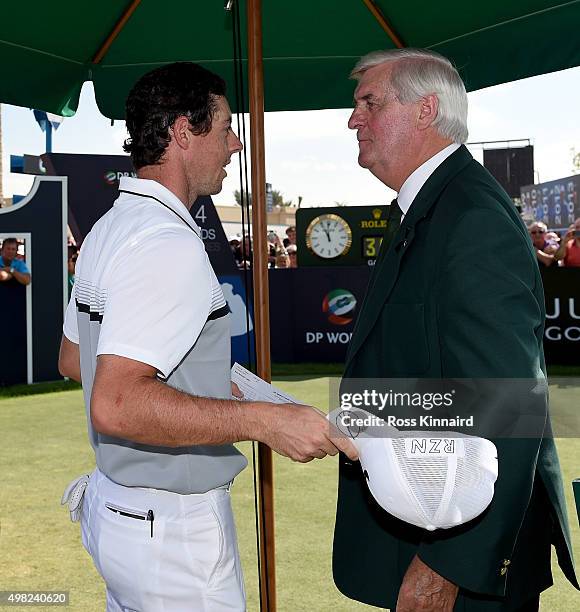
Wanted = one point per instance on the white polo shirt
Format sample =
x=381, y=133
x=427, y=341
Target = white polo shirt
x=145, y=290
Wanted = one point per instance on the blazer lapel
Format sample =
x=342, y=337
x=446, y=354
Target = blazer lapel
x=385, y=274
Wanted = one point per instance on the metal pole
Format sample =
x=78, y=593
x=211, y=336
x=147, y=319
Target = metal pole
x=48, y=125
x=261, y=294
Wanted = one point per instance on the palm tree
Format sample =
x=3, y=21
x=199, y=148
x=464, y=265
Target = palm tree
x=238, y=198
x=278, y=199
x=575, y=160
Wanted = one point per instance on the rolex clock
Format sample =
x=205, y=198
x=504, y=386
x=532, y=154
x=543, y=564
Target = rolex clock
x=340, y=235
x=328, y=236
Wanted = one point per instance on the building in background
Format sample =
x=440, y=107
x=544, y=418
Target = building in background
x=278, y=220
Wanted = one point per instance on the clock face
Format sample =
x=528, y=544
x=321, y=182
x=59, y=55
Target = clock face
x=329, y=236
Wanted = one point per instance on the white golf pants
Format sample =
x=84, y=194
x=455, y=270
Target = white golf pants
x=159, y=551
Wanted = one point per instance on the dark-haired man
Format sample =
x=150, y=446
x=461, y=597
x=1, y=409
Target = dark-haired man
x=10, y=266
x=152, y=347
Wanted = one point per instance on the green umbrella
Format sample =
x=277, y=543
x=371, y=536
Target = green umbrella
x=309, y=46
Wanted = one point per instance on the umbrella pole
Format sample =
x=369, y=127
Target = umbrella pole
x=261, y=294
x=387, y=27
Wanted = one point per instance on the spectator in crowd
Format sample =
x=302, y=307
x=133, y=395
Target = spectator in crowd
x=544, y=250
x=281, y=254
x=282, y=259
x=73, y=253
x=569, y=250
x=234, y=243
x=552, y=242
x=10, y=266
x=293, y=255
x=244, y=254
x=291, y=234
x=246, y=248
x=273, y=240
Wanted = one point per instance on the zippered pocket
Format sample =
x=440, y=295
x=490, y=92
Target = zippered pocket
x=130, y=513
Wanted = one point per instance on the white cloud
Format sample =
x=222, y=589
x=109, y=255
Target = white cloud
x=309, y=125
x=19, y=184
x=480, y=120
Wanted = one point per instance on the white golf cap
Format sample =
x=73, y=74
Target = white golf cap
x=434, y=480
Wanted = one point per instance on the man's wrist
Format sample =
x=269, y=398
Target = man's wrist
x=254, y=420
x=11, y=270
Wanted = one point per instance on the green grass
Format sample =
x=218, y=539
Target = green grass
x=279, y=370
x=44, y=445
x=566, y=370
x=38, y=388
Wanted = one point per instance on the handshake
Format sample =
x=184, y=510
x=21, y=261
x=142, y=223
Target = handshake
x=301, y=433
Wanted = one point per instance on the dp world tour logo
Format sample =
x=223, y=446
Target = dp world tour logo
x=340, y=305
x=110, y=177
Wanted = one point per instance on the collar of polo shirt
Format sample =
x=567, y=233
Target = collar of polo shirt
x=158, y=192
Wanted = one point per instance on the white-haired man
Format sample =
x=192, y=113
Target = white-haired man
x=444, y=303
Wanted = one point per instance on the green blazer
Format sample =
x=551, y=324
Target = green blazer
x=458, y=294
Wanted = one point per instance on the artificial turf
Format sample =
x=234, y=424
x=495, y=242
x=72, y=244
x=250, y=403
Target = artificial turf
x=44, y=445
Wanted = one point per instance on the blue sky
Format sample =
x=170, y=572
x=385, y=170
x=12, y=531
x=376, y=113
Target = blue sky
x=313, y=154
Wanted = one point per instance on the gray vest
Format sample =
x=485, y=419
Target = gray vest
x=204, y=371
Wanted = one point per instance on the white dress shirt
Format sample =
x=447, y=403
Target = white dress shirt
x=418, y=178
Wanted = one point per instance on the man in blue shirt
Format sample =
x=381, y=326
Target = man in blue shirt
x=10, y=266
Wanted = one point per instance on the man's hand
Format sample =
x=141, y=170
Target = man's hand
x=22, y=277
x=424, y=590
x=236, y=392
x=5, y=274
x=303, y=433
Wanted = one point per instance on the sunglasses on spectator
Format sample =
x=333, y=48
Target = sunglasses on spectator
x=538, y=232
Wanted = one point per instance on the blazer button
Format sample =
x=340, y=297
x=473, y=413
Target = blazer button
x=504, y=569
